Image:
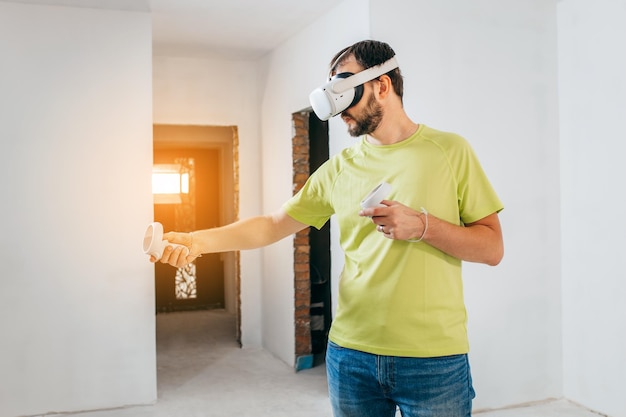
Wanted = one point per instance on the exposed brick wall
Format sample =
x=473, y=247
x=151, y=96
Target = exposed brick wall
x=302, y=281
x=236, y=210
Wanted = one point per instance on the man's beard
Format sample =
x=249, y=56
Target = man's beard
x=369, y=120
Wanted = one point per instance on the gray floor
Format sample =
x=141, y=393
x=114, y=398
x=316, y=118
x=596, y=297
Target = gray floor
x=203, y=373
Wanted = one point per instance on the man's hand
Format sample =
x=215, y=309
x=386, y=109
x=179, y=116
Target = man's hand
x=178, y=256
x=397, y=221
x=479, y=241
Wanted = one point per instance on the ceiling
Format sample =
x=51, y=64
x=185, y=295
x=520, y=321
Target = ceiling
x=233, y=29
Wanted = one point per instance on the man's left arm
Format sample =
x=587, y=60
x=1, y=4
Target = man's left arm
x=480, y=241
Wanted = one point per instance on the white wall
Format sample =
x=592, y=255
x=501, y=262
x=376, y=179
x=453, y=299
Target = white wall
x=291, y=72
x=592, y=86
x=487, y=70
x=221, y=93
x=76, y=291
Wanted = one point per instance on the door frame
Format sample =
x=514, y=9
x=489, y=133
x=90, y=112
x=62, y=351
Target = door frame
x=204, y=137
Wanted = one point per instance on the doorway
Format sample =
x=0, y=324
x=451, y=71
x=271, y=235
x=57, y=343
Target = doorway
x=200, y=286
x=208, y=156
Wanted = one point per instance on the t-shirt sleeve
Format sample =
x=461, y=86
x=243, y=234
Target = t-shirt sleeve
x=312, y=205
x=477, y=197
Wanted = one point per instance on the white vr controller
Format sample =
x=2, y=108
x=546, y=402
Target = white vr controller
x=153, y=243
x=375, y=196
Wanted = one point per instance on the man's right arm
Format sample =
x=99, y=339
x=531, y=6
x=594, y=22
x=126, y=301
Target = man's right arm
x=251, y=233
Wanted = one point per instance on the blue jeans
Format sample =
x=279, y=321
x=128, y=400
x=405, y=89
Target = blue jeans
x=365, y=385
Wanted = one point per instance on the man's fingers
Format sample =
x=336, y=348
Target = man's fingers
x=176, y=237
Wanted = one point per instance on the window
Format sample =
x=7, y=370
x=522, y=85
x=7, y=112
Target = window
x=168, y=183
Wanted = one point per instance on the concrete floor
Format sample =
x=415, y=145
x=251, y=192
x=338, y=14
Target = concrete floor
x=203, y=373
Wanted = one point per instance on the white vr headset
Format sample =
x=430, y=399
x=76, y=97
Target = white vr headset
x=345, y=89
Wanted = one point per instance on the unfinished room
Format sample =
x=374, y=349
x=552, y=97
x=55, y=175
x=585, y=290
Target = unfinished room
x=207, y=124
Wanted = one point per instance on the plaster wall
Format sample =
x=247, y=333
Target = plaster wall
x=76, y=294
x=592, y=102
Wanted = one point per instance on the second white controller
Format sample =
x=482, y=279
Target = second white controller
x=378, y=194
x=153, y=243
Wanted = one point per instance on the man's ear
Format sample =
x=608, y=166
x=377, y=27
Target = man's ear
x=384, y=86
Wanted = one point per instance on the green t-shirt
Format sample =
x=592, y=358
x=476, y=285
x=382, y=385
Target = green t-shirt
x=399, y=298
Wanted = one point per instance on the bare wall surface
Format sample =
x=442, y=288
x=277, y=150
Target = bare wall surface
x=76, y=291
x=592, y=89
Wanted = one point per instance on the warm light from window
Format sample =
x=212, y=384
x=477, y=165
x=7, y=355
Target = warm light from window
x=168, y=183
x=184, y=183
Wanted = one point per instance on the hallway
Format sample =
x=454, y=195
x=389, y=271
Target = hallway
x=203, y=373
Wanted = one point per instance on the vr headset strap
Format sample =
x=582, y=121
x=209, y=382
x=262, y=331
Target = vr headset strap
x=364, y=76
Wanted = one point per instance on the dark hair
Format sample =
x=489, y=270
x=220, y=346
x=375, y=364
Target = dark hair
x=368, y=54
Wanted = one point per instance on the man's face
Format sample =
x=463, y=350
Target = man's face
x=363, y=120
x=366, y=115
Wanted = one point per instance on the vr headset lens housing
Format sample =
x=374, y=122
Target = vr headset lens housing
x=345, y=90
